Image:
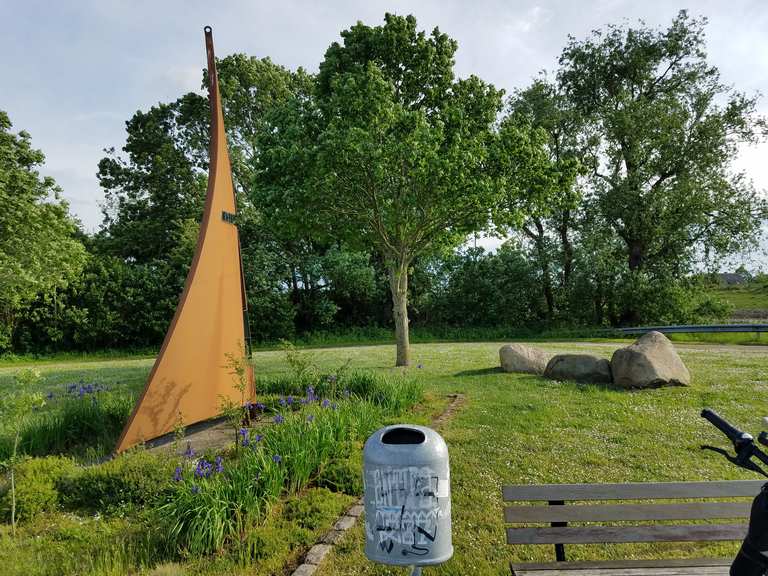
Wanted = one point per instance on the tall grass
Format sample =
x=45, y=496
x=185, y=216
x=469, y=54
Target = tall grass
x=393, y=392
x=84, y=420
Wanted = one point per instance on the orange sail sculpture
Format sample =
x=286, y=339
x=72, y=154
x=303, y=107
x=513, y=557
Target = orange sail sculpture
x=193, y=373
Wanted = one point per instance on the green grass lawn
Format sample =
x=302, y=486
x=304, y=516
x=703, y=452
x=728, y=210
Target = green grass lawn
x=516, y=429
x=750, y=297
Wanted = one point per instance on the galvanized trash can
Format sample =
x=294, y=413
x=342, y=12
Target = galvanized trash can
x=407, y=497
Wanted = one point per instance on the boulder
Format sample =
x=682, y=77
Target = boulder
x=521, y=358
x=579, y=367
x=650, y=362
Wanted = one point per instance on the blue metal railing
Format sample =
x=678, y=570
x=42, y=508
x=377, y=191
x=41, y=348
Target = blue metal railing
x=696, y=328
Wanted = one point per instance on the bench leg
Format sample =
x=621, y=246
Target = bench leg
x=559, y=548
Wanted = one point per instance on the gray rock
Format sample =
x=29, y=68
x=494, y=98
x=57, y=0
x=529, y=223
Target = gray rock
x=521, y=358
x=579, y=367
x=650, y=362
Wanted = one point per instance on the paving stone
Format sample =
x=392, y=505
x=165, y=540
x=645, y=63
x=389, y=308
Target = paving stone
x=305, y=570
x=333, y=536
x=356, y=510
x=345, y=523
x=317, y=553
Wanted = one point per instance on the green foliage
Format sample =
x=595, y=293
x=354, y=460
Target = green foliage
x=36, y=487
x=38, y=249
x=134, y=478
x=666, y=130
x=343, y=475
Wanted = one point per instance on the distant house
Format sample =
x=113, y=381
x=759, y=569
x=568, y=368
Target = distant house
x=731, y=279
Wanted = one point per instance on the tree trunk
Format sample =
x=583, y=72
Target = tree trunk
x=398, y=284
x=636, y=255
x=546, y=278
x=567, y=247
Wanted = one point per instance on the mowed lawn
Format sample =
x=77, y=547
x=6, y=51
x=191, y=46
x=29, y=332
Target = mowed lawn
x=523, y=429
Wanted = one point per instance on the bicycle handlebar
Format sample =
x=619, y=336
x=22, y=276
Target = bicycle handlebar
x=734, y=434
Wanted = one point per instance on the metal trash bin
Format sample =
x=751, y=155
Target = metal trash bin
x=407, y=497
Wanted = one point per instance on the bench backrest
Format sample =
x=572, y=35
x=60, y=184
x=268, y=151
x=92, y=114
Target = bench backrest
x=558, y=515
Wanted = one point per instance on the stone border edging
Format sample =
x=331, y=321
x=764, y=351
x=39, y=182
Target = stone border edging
x=348, y=519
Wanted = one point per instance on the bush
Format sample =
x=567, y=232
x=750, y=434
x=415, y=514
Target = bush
x=36, y=486
x=137, y=477
x=343, y=475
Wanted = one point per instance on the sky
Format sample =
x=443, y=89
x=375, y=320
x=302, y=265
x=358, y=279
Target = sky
x=74, y=71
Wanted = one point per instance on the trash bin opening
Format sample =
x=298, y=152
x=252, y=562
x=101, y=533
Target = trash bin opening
x=403, y=436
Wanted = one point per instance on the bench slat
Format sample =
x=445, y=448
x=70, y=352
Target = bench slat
x=609, y=564
x=632, y=491
x=614, y=534
x=659, y=571
x=627, y=512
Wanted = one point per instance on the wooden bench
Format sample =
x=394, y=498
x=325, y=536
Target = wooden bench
x=634, y=518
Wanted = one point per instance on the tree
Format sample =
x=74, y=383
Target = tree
x=667, y=130
x=393, y=154
x=39, y=252
x=548, y=224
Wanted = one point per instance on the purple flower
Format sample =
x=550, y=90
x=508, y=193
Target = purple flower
x=332, y=378
x=195, y=489
x=310, y=418
x=289, y=401
x=219, y=464
x=334, y=406
x=326, y=403
x=177, y=474
x=203, y=469
x=50, y=395
x=277, y=459
x=281, y=401
x=248, y=405
x=258, y=438
x=279, y=419
x=243, y=432
x=311, y=394
x=260, y=406
x=189, y=452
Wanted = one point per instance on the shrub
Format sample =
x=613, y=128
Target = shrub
x=36, y=486
x=137, y=477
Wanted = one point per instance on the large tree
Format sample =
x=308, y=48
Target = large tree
x=667, y=131
x=550, y=206
x=393, y=154
x=39, y=250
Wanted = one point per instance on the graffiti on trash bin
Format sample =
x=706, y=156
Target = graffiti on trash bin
x=407, y=509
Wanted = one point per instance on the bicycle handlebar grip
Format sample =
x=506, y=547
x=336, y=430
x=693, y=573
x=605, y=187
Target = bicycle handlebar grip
x=734, y=434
